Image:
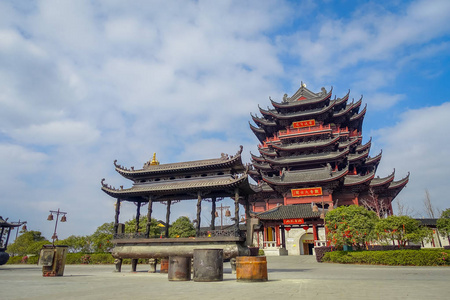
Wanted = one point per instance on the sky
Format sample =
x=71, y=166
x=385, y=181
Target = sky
x=83, y=83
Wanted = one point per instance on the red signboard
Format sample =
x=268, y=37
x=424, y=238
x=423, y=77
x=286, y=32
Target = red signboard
x=315, y=191
x=306, y=123
x=293, y=221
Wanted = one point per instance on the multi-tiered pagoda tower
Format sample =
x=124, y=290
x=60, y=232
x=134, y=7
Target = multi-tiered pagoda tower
x=311, y=153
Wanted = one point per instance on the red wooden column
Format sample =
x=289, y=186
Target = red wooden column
x=277, y=235
x=316, y=237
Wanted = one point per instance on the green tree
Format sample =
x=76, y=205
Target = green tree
x=443, y=224
x=77, y=244
x=182, y=227
x=101, y=238
x=130, y=226
x=30, y=242
x=350, y=225
x=402, y=229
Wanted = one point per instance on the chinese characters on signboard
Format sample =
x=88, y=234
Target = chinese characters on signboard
x=315, y=191
x=306, y=123
x=293, y=221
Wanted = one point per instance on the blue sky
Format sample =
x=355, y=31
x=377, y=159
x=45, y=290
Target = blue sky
x=83, y=83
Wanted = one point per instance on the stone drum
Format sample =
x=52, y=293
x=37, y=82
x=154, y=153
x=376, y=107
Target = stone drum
x=179, y=268
x=208, y=265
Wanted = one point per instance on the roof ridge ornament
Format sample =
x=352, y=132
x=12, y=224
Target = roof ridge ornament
x=154, y=161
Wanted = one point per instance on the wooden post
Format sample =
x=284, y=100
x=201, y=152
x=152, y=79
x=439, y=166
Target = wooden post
x=248, y=223
x=236, y=210
x=149, y=216
x=199, y=211
x=213, y=213
x=283, y=237
x=169, y=202
x=116, y=218
x=316, y=238
x=138, y=215
x=277, y=235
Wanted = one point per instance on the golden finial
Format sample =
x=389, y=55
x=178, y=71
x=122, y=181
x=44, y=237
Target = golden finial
x=303, y=85
x=154, y=162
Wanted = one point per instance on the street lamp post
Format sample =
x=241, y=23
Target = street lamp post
x=50, y=218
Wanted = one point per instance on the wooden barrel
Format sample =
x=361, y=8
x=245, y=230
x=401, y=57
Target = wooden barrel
x=179, y=268
x=164, y=265
x=208, y=265
x=251, y=268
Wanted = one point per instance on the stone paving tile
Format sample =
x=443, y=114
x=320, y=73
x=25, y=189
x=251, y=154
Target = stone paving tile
x=289, y=277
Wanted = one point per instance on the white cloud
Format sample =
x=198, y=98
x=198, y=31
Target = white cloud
x=84, y=83
x=57, y=133
x=419, y=144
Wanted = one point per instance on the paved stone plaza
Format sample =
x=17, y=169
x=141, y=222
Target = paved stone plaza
x=290, y=277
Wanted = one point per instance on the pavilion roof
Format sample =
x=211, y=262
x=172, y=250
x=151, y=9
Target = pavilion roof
x=181, y=188
x=289, y=212
x=224, y=162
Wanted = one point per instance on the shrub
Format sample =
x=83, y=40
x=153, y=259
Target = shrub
x=424, y=257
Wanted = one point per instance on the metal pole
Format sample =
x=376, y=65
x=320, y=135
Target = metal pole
x=56, y=225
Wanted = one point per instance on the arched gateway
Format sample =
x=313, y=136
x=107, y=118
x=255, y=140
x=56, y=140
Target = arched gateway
x=210, y=179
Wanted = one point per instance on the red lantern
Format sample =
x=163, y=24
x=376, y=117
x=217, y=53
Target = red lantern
x=287, y=228
x=305, y=227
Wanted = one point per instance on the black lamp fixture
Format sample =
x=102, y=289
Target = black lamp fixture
x=50, y=218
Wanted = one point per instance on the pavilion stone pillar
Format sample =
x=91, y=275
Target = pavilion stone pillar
x=116, y=218
x=169, y=202
x=236, y=210
x=149, y=216
x=213, y=213
x=199, y=211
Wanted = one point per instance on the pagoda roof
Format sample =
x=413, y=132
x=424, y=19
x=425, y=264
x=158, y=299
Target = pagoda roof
x=351, y=141
x=373, y=160
x=302, y=146
x=365, y=146
x=302, y=97
x=352, y=157
x=259, y=132
x=359, y=115
x=302, y=211
x=319, y=175
x=180, y=188
x=298, y=115
x=376, y=182
x=262, y=166
x=263, y=121
x=348, y=108
x=399, y=183
x=309, y=158
x=267, y=151
x=224, y=162
x=342, y=100
x=351, y=180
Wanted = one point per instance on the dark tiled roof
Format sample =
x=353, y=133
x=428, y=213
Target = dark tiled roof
x=325, y=174
x=225, y=161
x=180, y=186
x=358, y=179
x=289, y=212
x=428, y=222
